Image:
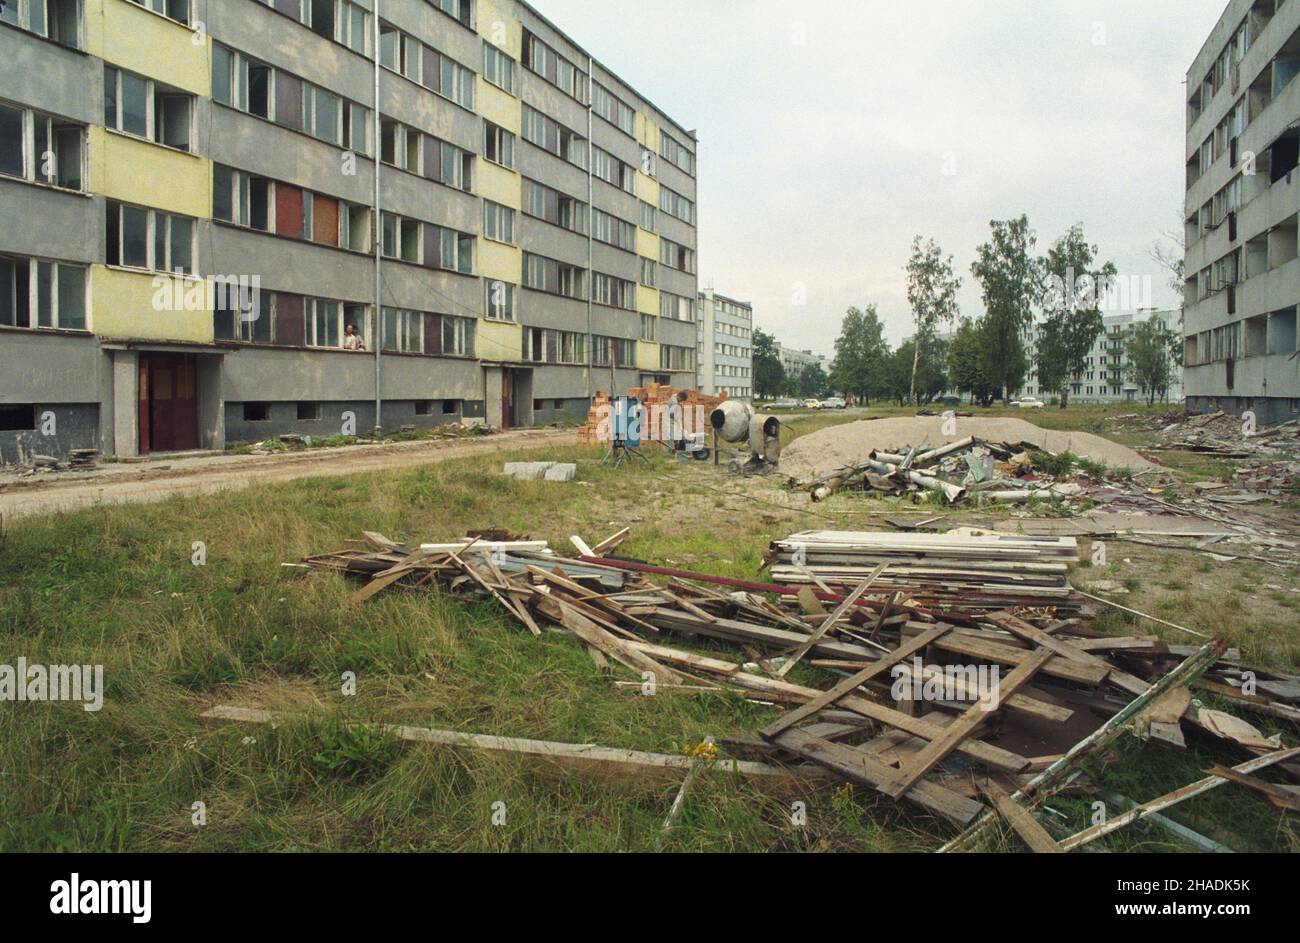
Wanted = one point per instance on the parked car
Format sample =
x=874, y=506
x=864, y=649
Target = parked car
x=834, y=402
x=1028, y=402
x=812, y=404
x=786, y=404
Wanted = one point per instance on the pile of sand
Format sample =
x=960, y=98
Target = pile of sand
x=822, y=452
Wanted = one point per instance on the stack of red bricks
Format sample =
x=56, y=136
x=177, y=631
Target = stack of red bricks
x=654, y=395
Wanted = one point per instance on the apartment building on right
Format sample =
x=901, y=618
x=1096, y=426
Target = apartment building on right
x=1243, y=195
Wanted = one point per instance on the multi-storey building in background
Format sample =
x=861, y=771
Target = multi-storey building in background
x=794, y=361
x=726, y=346
x=449, y=213
x=1243, y=195
x=1105, y=377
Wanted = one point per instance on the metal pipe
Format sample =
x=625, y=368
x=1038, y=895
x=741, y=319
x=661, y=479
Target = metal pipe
x=376, y=225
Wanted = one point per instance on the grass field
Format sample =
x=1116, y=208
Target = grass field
x=116, y=586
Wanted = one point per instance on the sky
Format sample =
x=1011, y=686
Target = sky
x=833, y=131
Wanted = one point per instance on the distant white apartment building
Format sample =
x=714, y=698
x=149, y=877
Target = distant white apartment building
x=726, y=346
x=1104, y=378
x=794, y=362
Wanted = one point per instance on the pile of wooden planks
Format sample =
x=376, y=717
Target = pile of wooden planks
x=973, y=570
x=958, y=692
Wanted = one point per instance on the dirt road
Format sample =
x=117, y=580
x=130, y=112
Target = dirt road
x=164, y=478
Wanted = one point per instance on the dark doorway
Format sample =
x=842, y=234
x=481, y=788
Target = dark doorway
x=169, y=403
x=508, y=420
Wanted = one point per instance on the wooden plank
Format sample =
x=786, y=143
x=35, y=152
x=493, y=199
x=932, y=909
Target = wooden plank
x=836, y=616
x=1063, y=647
x=1280, y=796
x=607, y=763
x=852, y=683
x=861, y=767
x=972, y=646
x=962, y=728
x=1020, y=819
x=609, y=543
x=1160, y=803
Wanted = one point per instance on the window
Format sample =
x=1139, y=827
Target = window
x=38, y=293
x=139, y=106
x=149, y=239
x=549, y=275
x=612, y=108
x=647, y=216
x=454, y=81
x=676, y=154
x=556, y=208
x=611, y=291
x=400, y=146
x=58, y=20
x=499, y=301
x=322, y=114
x=547, y=346
x=400, y=238
x=498, y=222
x=41, y=148
x=676, y=358
x=178, y=10
x=308, y=412
x=322, y=323
x=677, y=205
x=404, y=330
x=676, y=307
x=257, y=412
x=17, y=418
x=613, y=351
x=498, y=68
x=457, y=336
x=612, y=170
x=246, y=318
x=498, y=145
x=449, y=250
x=648, y=322
x=554, y=68
x=552, y=136
x=612, y=230
x=351, y=27
x=424, y=407
x=256, y=88
x=648, y=269
x=448, y=164
x=677, y=256
x=462, y=11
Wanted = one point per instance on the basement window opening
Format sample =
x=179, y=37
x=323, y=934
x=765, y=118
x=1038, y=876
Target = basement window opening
x=257, y=412
x=17, y=418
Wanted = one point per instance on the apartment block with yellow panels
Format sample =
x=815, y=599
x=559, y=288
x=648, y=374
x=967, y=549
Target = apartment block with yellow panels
x=205, y=261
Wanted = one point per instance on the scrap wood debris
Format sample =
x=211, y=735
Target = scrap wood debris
x=971, y=678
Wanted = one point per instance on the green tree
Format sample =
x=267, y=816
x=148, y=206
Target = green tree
x=1073, y=287
x=1008, y=275
x=1150, y=357
x=813, y=381
x=860, y=350
x=895, y=375
x=769, y=375
x=932, y=292
x=965, y=364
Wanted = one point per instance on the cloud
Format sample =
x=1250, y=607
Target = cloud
x=826, y=129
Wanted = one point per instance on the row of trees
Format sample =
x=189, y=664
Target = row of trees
x=986, y=357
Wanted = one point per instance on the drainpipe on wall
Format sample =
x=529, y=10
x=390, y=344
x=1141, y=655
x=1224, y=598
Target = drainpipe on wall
x=377, y=227
x=591, y=340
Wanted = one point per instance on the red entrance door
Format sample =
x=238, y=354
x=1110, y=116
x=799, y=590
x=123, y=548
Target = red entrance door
x=169, y=403
x=507, y=399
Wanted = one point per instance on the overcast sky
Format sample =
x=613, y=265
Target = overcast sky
x=832, y=131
